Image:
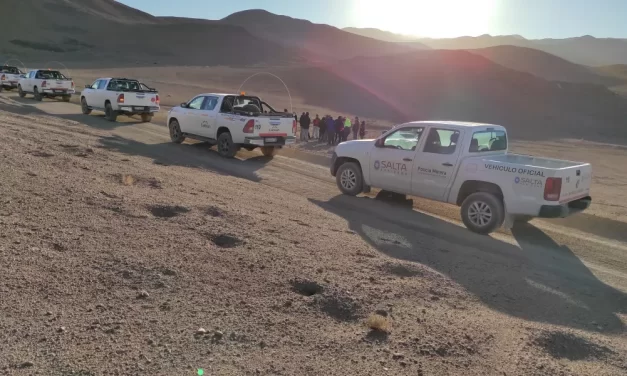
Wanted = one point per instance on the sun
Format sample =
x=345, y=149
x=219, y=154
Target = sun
x=426, y=18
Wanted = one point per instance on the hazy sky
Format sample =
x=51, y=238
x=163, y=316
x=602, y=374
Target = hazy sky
x=430, y=18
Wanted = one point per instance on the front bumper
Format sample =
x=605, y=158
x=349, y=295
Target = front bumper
x=139, y=109
x=565, y=210
x=267, y=141
x=58, y=91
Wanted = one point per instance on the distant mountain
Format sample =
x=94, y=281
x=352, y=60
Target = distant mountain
x=542, y=64
x=319, y=40
x=383, y=35
x=448, y=84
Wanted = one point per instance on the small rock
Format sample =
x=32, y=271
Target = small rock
x=287, y=303
x=48, y=313
x=201, y=332
x=143, y=294
x=319, y=270
x=262, y=344
x=398, y=356
x=218, y=335
x=381, y=312
x=27, y=364
x=403, y=363
x=61, y=329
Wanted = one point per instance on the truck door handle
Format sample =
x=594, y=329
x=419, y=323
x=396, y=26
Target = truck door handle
x=447, y=164
x=407, y=159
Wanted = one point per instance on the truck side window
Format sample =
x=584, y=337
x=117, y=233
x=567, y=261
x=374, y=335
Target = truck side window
x=210, y=103
x=488, y=141
x=196, y=103
x=101, y=84
x=95, y=84
x=227, y=105
x=403, y=139
x=441, y=141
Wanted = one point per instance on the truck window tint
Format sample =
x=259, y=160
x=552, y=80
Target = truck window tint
x=50, y=75
x=123, y=85
x=403, y=139
x=210, y=104
x=196, y=103
x=488, y=141
x=441, y=141
x=101, y=84
x=10, y=70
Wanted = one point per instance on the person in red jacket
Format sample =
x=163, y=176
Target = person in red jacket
x=316, y=128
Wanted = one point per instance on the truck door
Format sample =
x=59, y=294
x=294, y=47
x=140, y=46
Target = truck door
x=435, y=165
x=190, y=120
x=207, y=117
x=392, y=160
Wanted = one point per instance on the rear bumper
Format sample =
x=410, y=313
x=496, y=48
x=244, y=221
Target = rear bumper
x=565, y=210
x=57, y=92
x=11, y=84
x=139, y=109
x=263, y=141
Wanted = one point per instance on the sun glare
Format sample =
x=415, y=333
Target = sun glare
x=426, y=18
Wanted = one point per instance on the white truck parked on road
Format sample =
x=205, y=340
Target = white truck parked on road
x=466, y=164
x=232, y=122
x=9, y=77
x=45, y=83
x=120, y=96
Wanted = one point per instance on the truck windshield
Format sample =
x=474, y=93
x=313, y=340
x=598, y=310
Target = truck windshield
x=10, y=70
x=124, y=85
x=488, y=141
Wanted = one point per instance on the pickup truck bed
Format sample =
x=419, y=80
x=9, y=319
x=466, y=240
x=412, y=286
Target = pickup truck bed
x=531, y=161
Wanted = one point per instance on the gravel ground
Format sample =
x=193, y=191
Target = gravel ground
x=113, y=263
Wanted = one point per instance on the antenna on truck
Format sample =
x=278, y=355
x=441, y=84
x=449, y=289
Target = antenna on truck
x=273, y=75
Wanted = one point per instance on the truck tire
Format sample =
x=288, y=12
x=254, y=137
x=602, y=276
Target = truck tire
x=37, y=95
x=84, y=108
x=1, y=88
x=482, y=212
x=20, y=92
x=226, y=147
x=146, y=118
x=175, y=132
x=349, y=179
x=66, y=98
x=269, y=151
x=109, y=113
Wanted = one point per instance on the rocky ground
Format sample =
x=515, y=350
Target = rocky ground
x=120, y=262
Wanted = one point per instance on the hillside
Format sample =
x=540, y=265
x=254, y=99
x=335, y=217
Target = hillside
x=461, y=85
x=542, y=64
x=383, y=35
x=318, y=40
x=106, y=33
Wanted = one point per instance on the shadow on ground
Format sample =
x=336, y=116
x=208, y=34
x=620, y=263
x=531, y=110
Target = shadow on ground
x=539, y=281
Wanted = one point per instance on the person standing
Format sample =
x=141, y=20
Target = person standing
x=362, y=130
x=323, y=128
x=330, y=133
x=305, y=121
x=339, y=130
x=316, y=128
x=355, y=127
x=347, y=128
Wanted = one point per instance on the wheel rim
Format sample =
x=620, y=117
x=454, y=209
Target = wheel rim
x=224, y=146
x=174, y=131
x=480, y=213
x=348, y=179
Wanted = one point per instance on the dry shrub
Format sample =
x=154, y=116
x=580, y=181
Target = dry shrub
x=378, y=323
x=128, y=180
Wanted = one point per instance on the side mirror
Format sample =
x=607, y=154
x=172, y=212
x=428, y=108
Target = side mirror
x=379, y=143
x=184, y=105
x=87, y=86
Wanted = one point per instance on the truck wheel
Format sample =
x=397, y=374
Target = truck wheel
x=66, y=98
x=109, y=113
x=175, y=132
x=1, y=88
x=482, y=212
x=20, y=92
x=226, y=148
x=37, y=95
x=349, y=179
x=84, y=108
x=269, y=151
x=146, y=118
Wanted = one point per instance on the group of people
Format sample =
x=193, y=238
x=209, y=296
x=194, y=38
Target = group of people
x=329, y=130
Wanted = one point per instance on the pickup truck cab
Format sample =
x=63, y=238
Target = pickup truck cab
x=232, y=122
x=120, y=96
x=9, y=77
x=468, y=165
x=45, y=83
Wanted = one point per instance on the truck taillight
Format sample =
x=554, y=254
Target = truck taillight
x=294, y=127
x=157, y=100
x=552, y=189
x=121, y=98
x=249, y=127
x=44, y=83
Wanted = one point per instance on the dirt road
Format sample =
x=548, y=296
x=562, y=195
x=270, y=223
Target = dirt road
x=117, y=246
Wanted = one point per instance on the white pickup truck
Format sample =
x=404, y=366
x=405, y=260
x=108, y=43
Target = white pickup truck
x=45, y=83
x=465, y=164
x=120, y=96
x=232, y=122
x=9, y=77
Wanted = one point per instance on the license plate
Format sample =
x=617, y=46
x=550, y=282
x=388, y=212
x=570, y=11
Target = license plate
x=271, y=139
x=58, y=91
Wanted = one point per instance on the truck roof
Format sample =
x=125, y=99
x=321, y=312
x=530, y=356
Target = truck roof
x=455, y=123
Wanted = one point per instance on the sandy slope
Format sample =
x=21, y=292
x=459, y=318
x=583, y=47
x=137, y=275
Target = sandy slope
x=117, y=246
